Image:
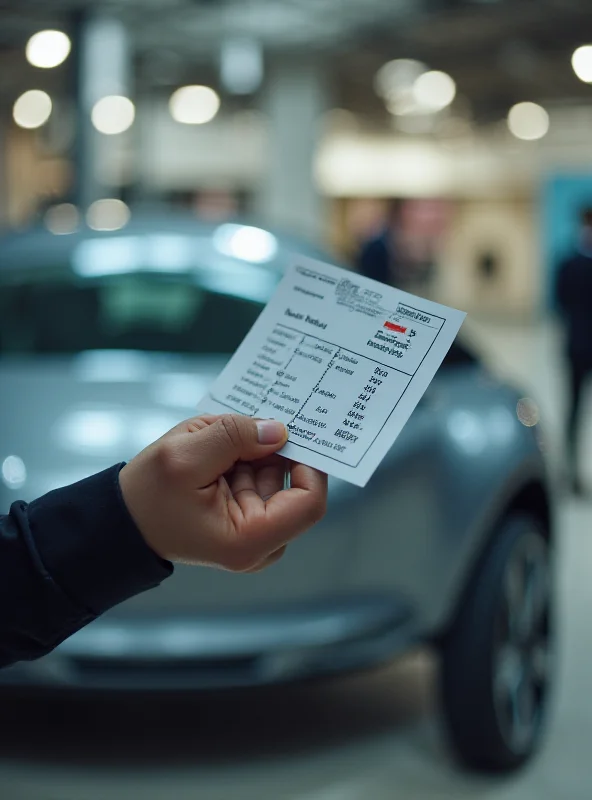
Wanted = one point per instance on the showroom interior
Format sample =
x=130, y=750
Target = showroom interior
x=162, y=164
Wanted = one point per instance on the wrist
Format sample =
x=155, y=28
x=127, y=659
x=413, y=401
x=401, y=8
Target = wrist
x=132, y=495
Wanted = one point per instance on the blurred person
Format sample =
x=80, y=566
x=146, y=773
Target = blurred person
x=209, y=492
x=574, y=297
x=379, y=257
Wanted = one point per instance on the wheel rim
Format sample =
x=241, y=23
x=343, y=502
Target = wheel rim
x=522, y=662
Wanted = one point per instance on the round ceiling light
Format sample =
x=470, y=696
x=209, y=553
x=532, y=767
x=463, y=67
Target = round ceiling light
x=397, y=76
x=32, y=109
x=113, y=114
x=194, y=105
x=528, y=121
x=48, y=49
x=434, y=90
x=581, y=62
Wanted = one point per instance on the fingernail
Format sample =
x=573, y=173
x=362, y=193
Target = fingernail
x=269, y=431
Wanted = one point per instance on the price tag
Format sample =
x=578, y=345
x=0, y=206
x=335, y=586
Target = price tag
x=342, y=361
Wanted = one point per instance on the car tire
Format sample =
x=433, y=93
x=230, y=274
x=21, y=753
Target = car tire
x=496, y=666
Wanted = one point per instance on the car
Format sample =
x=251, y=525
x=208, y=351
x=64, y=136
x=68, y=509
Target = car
x=107, y=339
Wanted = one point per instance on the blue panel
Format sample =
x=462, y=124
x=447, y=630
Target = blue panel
x=564, y=196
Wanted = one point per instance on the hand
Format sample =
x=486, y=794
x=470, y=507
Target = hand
x=211, y=491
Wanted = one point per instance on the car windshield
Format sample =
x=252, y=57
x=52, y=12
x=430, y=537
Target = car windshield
x=139, y=311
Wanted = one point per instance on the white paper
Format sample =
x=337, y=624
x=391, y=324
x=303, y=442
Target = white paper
x=342, y=361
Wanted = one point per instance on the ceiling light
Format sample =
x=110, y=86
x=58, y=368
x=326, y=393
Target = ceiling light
x=62, y=219
x=108, y=215
x=434, y=90
x=32, y=109
x=528, y=121
x=581, y=62
x=397, y=76
x=113, y=114
x=194, y=105
x=48, y=49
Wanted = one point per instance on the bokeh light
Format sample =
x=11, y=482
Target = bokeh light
x=194, y=105
x=62, y=219
x=113, y=114
x=397, y=77
x=246, y=242
x=48, y=49
x=528, y=412
x=108, y=215
x=528, y=121
x=581, y=62
x=434, y=90
x=14, y=472
x=32, y=109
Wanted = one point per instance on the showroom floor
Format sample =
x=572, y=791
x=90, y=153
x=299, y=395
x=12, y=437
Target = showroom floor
x=371, y=737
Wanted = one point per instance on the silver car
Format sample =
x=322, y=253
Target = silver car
x=108, y=339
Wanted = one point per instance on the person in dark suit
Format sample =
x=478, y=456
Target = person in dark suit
x=574, y=298
x=379, y=256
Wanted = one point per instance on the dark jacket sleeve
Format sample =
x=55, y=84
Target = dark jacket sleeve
x=64, y=560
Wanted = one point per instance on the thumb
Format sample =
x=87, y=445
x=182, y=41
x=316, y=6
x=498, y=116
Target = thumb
x=217, y=447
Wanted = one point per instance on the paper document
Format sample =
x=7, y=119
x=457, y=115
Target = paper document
x=342, y=361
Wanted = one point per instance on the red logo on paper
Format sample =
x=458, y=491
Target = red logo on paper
x=392, y=326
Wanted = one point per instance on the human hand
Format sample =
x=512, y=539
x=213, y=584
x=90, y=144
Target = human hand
x=211, y=491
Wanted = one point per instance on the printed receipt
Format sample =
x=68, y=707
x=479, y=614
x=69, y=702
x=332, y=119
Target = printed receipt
x=342, y=361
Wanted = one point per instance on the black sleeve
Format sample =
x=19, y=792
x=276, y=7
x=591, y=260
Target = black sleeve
x=64, y=560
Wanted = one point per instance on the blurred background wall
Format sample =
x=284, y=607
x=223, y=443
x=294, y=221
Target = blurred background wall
x=311, y=116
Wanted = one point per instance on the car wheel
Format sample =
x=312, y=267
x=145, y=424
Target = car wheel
x=497, y=658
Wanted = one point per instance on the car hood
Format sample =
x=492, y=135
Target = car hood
x=64, y=418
